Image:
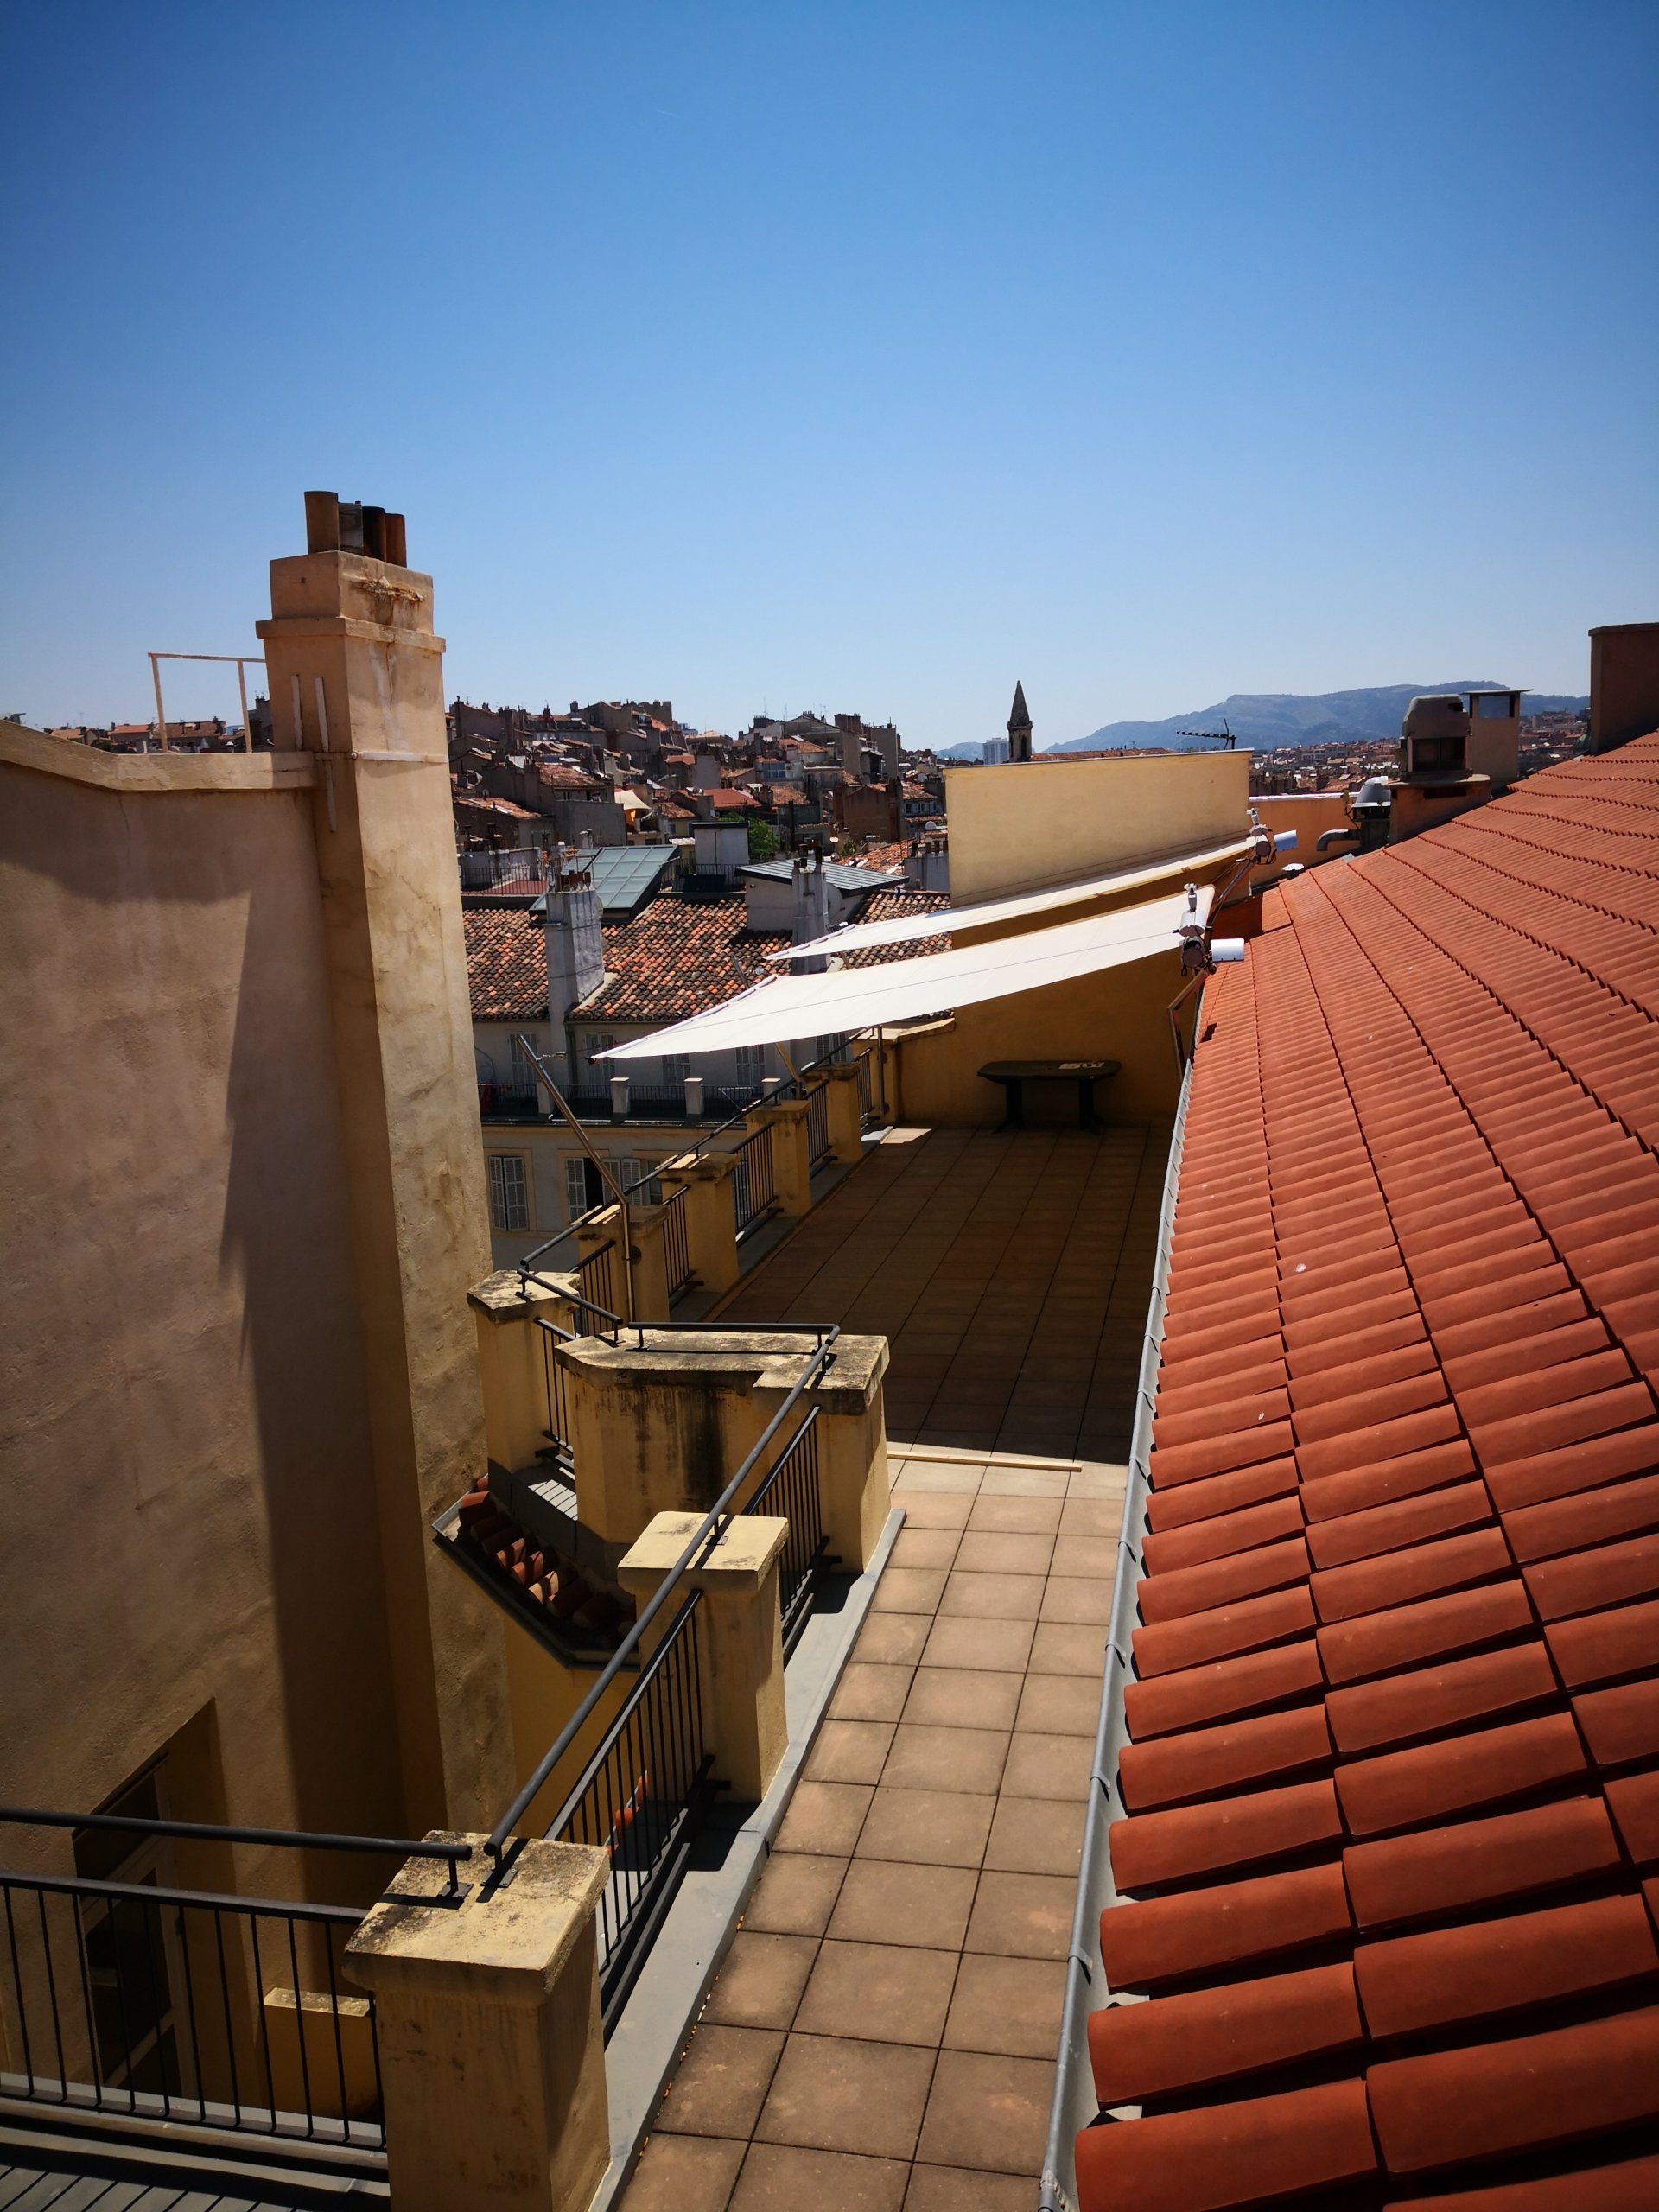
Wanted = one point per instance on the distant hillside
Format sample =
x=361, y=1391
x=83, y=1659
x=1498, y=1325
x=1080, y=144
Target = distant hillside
x=1262, y=720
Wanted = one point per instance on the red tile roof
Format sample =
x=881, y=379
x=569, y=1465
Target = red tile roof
x=885, y=905
x=506, y=963
x=675, y=958
x=1388, y=1859
x=731, y=802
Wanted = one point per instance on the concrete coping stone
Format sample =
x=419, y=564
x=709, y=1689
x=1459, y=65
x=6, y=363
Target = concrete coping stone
x=504, y=1296
x=741, y=1360
x=507, y=1945
x=747, y=1546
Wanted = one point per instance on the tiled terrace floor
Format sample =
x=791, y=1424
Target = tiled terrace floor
x=883, y=2033
x=1010, y=1275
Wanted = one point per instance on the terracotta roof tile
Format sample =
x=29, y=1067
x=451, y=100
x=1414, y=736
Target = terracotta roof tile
x=1236, y=2153
x=1139, y=2052
x=1414, y=1297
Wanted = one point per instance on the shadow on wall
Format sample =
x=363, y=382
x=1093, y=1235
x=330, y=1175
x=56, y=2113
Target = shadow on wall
x=186, y=1368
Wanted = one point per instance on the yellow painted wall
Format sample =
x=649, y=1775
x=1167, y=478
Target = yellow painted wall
x=1048, y=821
x=1120, y=1014
x=1310, y=814
x=1032, y=822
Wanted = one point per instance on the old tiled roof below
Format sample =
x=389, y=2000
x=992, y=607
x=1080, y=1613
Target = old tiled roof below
x=506, y=962
x=1388, y=1861
x=887, y=906
x=676, y=957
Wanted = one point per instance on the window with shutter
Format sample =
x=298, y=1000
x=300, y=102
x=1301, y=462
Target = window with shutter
x=509, y=1193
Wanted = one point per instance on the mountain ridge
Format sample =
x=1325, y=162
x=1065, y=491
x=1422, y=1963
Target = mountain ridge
x=1261, y=720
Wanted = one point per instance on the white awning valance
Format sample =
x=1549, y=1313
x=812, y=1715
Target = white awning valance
x=904, y=929
x=849, y=999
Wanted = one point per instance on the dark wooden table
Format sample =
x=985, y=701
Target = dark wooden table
x=1013, y=1074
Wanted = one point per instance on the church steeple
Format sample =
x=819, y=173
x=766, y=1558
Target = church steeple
x=1019, y=726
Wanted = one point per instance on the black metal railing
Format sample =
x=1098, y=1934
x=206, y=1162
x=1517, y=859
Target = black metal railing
x=559, y=1448
x=597, y=1277
x=865, y=1090
x=640, y=1799
x=132, y=1998
x=511, y=1100
x=677, y=1245
x=754, y=1193
x=615, y=1786
x=817, y=1126
x=181, y=2005
x=791, y=1490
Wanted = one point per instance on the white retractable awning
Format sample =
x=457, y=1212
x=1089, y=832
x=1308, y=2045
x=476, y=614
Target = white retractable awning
x=848, y=999
x=903, y=929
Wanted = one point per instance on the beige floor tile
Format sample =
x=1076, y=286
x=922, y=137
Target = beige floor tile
x=908, y=1589
x=882, y=1898
x=867, y=1692
x=938, y=1828
x=953, y=2189
x=1008, y=1481
x=1022, y=1915
x=989, y=1551
x=796, y=1895
x=988, y=2112
x=925, y=1475
x=962, y=1697
x=991, y=1597
x=760, y=1980
x=1036, y=1835
x=1048, y=1766
x=1016, y=1516
x=936, y=1508
x=779, y=2178
x=885, y=1992
x=924, y=1756
x=1094, y=1556
x=1055, y=1704
x=925, y=1548
x=1011, y=2006
x=1085, y=1597
x=892, y=1639
x=833, y=2094
x=721, y=2083
x=685, y=2173
x=1068, y=1647
x=850, y=1751
x=998, y=1647
x=1090, y=1516
x=824, y=1818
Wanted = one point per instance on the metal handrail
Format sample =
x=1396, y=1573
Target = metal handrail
x=212, y=1832
x=702, y=1541
x=526, y=1267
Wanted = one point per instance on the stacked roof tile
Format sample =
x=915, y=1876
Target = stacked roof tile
x=1388, y=1861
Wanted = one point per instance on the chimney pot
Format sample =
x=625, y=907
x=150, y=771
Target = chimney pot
x=395, y=540
x=374, y=541
x=321, y=522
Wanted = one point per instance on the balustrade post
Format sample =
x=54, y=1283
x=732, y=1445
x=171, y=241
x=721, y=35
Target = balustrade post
x=710, y=1222
x=740, y=1638
x=791, y=1166
x=845, y=1113
x=512, y=1357
x=492, y=2052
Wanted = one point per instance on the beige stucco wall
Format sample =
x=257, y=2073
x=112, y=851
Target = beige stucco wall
x=196, y=1535
x=1032, y=822
x=1310, y=814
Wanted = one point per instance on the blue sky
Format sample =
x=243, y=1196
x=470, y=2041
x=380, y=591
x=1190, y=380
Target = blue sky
x=851, y=356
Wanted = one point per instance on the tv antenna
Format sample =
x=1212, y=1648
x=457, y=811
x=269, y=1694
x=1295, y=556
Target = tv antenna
x=1225, y=735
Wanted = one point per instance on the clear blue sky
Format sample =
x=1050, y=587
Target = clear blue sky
x=861, y=356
